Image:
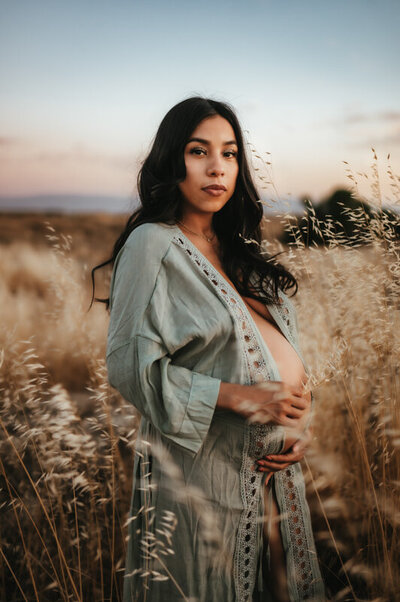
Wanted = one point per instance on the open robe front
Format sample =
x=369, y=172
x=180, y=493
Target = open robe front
x=177, y=329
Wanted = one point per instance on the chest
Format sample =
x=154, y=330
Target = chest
x=256, y=308
x=288, y=362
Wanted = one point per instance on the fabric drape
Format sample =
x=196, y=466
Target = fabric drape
x=177, y=329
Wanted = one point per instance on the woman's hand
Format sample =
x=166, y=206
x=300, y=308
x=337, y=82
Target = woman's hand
x=274, y=463
x=270, y=402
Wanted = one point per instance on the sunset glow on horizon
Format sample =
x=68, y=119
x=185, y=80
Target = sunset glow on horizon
x=84, y=89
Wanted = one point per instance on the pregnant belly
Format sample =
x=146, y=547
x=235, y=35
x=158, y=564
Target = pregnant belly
x=289, y=364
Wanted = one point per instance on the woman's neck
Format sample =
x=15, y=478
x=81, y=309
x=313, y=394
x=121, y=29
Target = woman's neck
x=201, y=224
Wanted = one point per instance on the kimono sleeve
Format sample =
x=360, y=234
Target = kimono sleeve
x=178, y=402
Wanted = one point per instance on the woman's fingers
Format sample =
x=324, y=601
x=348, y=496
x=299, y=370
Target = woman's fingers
x=273, y=467
x=298, y=402
x=297, y=391
x=275, y=402
x=296, y=453
x=291, y=421
x=279, y=462
x=286, y=421
x=292, y=412
x=291, y=456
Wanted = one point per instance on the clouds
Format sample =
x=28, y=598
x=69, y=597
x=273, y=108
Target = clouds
x=85, y=157
x=15, y=149
x=312, y=85
x=7, y=142
x=363, y=129
x=381, y=117
x=29, y=167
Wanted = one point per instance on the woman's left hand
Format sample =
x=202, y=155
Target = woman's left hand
x=274, y=463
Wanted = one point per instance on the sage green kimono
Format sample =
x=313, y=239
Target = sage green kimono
x=177, y=329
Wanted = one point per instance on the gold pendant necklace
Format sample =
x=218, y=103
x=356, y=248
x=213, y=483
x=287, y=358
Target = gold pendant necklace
x=207, y=238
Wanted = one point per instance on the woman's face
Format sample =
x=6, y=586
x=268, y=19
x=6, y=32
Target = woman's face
x=211, y=161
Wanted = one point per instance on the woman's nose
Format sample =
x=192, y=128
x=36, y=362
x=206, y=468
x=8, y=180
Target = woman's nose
x=215, y=168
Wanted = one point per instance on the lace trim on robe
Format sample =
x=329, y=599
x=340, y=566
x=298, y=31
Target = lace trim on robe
x=260, y=440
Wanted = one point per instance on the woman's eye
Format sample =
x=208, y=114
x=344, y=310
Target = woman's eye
x=196, y=151
x=199, y=151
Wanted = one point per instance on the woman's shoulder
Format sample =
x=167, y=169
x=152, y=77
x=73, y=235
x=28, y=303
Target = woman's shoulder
x=154, y=233
x=150, y=240
x=138, y=263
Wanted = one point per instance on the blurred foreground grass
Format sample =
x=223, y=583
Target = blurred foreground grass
x=67, y=439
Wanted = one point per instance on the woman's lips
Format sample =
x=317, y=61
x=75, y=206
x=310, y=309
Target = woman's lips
x=214, y=191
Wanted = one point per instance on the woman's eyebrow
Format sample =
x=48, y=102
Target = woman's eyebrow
x=203, y=141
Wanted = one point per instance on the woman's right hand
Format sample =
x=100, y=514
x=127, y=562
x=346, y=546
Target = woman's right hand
x=270, y=402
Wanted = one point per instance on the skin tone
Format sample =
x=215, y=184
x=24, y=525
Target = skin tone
x=211, y=158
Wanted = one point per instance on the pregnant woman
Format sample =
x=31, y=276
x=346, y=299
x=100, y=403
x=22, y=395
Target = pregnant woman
x=203, y=342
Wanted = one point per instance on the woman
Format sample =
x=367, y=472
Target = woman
x=203, y=341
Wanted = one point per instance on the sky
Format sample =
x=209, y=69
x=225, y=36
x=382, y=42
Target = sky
x=84, y=86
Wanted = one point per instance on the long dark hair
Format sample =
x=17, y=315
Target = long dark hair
x=237, y=225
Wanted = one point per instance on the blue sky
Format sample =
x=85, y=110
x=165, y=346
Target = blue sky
x=85, y=85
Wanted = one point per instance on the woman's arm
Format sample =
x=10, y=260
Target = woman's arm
x=296, y=445
x=142, y=338
x=276, y=462
x=271, y=402
x=282, y=405
x=293, y=435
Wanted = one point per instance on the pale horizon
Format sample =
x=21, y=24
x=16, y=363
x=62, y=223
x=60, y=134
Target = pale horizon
x=83, y=90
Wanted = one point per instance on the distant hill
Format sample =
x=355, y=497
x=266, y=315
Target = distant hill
x=97, y=203
x=64, y=203
x=78, y=203
x=342, y=218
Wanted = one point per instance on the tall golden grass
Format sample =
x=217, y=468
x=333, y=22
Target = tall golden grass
x=67, y=440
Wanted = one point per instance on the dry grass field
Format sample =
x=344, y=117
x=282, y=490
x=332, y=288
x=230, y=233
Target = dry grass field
x=67, y=439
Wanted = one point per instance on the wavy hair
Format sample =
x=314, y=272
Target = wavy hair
x=237, y=225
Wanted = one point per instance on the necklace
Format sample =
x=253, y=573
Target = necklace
x=207, y=238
